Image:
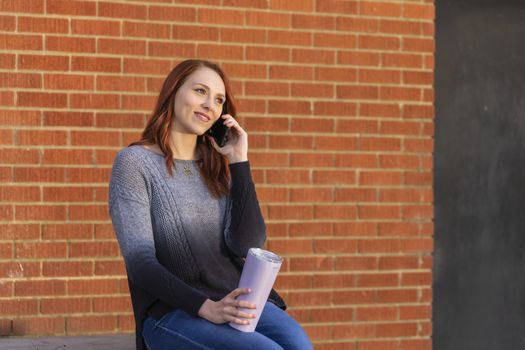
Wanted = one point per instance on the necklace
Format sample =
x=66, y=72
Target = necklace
x=187, y=170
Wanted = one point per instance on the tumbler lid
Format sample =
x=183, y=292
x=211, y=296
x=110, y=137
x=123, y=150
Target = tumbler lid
x=265, y=255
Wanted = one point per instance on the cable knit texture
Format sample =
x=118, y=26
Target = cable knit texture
x=180, y=245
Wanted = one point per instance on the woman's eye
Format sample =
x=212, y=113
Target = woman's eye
x=199, y=90
x=220, y=100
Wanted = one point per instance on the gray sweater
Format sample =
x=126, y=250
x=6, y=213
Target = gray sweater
x=180, y=245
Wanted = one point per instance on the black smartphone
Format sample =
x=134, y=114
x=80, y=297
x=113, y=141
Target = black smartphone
x=219, y=132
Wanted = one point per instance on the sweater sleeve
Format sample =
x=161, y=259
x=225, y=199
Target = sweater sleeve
x=129, y=206
x=245, y=227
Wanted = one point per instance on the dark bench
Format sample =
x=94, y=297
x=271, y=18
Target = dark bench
x=95, y=342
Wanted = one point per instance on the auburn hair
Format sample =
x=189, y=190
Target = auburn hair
x=213, y=165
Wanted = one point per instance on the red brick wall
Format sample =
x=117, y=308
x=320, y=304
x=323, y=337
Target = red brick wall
x=337, y=99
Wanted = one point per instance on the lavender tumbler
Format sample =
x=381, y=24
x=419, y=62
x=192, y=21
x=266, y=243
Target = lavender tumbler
x=259, y=273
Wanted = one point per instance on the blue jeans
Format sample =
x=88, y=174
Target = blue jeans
x=276, y=330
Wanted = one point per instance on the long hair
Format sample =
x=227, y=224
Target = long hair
x=213, y=165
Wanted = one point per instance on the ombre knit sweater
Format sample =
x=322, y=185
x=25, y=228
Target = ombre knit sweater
x=180, y=245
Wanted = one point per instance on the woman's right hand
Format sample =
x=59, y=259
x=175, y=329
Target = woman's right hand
x=227, y=309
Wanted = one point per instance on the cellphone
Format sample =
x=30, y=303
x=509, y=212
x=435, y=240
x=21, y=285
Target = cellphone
x=219, y=132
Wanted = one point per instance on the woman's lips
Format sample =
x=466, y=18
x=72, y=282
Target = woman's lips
x=202, y=117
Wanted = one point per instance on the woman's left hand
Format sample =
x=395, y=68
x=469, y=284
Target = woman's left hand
x=236, y=149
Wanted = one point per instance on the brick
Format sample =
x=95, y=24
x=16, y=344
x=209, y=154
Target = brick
x=357, y=160
x=379, y=110
x=121, y=46
x=41, y=99
x=405, y=195
x=41, y=212
x=41, y=137
x=84, y=212
x=335, y=109
x=355, y=229
x=67, y=231
x=68, y=82
x=317, y=21
x=369, y=42
x=324, y=246
x=95, y=138
x=59, y=43
x=334, y=177
x=289, y=107
x=93, y=249
x=146, y=30
x=419, y=45
x=117, y=120
x=312, y=90
x=356, y=24
x=354, y=331
x=95, y=27
x=400, y=27
x=337, y=6
x=43, y=62
x=20, y=42
x=260, y=53
x=311, y=195
x=65, y=305
x=40, y=250
x=358, y=92
x=7, y=98
x=335, y=212
x=310, y=229
x=307, y=298
x=139, y=103
x=65, y=156
x=262, y=4
x=382, y=9
x=291, y=72
x=219, y=52
x=7, y=61
x=118, y=83
x=311, y=56
x=111, y=304
x=289, y=37
x=77, y=8
x=265, y=88
x=357, y=126
x=355, y=195
x=68, y=194
x=333, y=281
x=401, y=60
x=18, y=307
x=67, y=268
x=417, y=11
x=335, y=143
x=397, y=330
x=19, y=156
x=398, y=229
x=380, y=144
x=380, y=313
x=33, y=6
x=267, y=19
x=122, y=10
x=380, y=178
x=10, y=193
x=6, y=250
x=83, y=324
x=40, y=288
x=93, y=287
x=7, y=23
x=267, y=124
x=40, y=174
x=336, y=74
x=43, y=25
x=410, y=312
x=290, y=212
x=379, y=76
x=348, y=263
x=172, y=14
x=292, y=5
x=251, y=36
x=20, y=80
x=20, y=118
x=397, y=296
x=39, y=326
x=102, y=101
x=291, y=142
x=13, y=231
x=110, y=268
x=291, y=281
x=311, y=160
x=96, y=64
x=379, y=212
x=312, y=125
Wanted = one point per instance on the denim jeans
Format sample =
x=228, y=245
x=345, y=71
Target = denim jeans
x=276, y=330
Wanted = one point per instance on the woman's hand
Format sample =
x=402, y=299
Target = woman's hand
x=236, y=149
x=227, y=309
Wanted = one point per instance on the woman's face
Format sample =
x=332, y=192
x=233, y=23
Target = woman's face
x=199, y=102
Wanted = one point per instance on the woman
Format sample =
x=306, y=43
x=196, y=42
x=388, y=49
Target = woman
x=185, y=213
